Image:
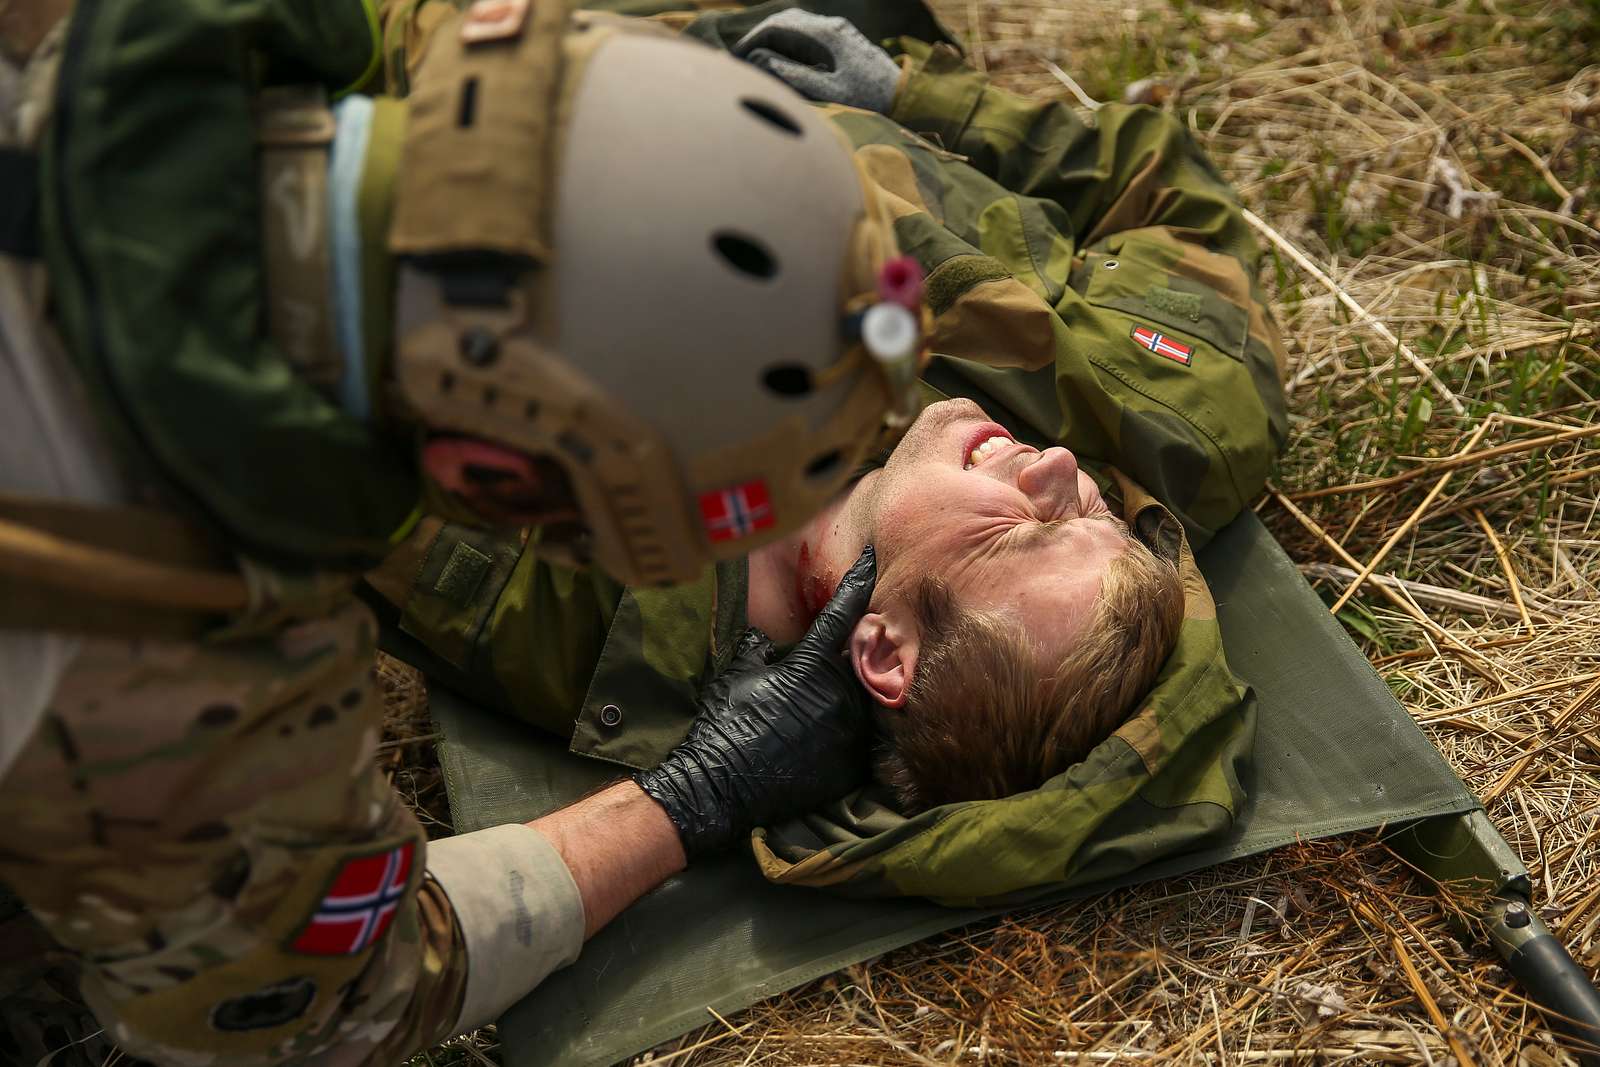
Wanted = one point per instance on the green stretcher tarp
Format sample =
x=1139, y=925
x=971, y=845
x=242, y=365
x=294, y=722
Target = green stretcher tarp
x=1334, y=752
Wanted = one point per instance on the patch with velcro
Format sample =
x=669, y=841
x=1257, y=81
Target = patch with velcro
x=1173, y=302
x=463, y=573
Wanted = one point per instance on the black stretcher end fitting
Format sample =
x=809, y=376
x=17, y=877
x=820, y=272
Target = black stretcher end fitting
x=1466, y=856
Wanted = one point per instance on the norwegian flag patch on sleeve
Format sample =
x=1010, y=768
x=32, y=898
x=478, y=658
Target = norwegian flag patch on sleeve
x=1162, y=345
x=737, y=511
x=358, y=905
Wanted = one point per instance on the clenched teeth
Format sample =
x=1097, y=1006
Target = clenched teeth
x=986, y=449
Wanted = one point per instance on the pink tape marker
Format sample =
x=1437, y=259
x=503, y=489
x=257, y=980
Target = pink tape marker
x=900, y=282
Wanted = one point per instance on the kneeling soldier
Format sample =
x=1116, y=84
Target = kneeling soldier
x=228, y=313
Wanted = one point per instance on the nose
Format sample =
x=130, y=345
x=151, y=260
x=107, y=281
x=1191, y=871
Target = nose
x=1051, y=483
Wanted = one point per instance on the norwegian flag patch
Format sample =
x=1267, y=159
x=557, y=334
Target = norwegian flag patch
x=737, y=511
x=1162, y=345
x=358, y=905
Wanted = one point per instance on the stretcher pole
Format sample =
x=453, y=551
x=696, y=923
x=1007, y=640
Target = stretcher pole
x=1466, y=856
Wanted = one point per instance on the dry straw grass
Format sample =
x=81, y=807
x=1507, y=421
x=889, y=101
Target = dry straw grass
x=1428, y=175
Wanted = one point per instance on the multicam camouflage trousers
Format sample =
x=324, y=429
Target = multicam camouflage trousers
x=203, y=828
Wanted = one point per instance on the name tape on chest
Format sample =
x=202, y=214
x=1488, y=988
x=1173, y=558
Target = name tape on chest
x=1162, y=345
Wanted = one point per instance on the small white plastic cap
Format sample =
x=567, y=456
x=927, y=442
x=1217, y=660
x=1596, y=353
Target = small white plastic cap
x=890, y=332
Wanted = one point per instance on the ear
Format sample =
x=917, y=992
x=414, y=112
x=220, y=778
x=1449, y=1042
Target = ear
x=883, y=650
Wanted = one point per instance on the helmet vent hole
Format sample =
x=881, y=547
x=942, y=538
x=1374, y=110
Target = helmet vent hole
x=745, y=254
x=772, y=115
x=824, y=464
x=467, y=110
x=788, y=379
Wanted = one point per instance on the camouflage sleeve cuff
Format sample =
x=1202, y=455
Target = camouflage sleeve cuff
x=938, y=94
x=519, y=911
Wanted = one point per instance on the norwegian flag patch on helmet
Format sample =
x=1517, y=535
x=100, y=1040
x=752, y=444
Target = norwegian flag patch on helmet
x=737, y=511
x=1162, y=345
x=358, y=905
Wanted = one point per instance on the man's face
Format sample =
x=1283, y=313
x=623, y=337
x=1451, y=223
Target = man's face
x=1011, y=529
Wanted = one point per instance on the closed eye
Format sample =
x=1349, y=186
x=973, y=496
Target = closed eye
x=1025, y=537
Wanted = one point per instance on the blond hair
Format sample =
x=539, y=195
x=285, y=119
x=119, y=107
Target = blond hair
x=984, y=719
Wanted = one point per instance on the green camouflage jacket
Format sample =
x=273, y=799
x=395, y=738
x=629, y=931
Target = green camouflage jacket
x=1093, y=286
x=150, y=220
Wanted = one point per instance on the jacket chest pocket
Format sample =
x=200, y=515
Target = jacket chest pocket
x=1184, y=292
x=641, y=698
x=1158, y=320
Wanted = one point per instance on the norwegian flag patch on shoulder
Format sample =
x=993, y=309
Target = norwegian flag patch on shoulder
x=358, y=905
x=737, y=511
x=1162, y=345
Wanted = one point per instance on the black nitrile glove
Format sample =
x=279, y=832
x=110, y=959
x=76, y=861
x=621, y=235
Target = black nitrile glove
x=772, y=739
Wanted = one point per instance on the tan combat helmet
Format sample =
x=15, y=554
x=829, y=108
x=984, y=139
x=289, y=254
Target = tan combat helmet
x=653, y=265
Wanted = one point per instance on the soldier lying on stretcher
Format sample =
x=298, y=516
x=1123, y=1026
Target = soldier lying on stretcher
x=1015, y=621
x=1092, y=286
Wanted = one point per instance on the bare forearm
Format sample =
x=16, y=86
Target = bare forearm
x=618, y=844
x=524, y=902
